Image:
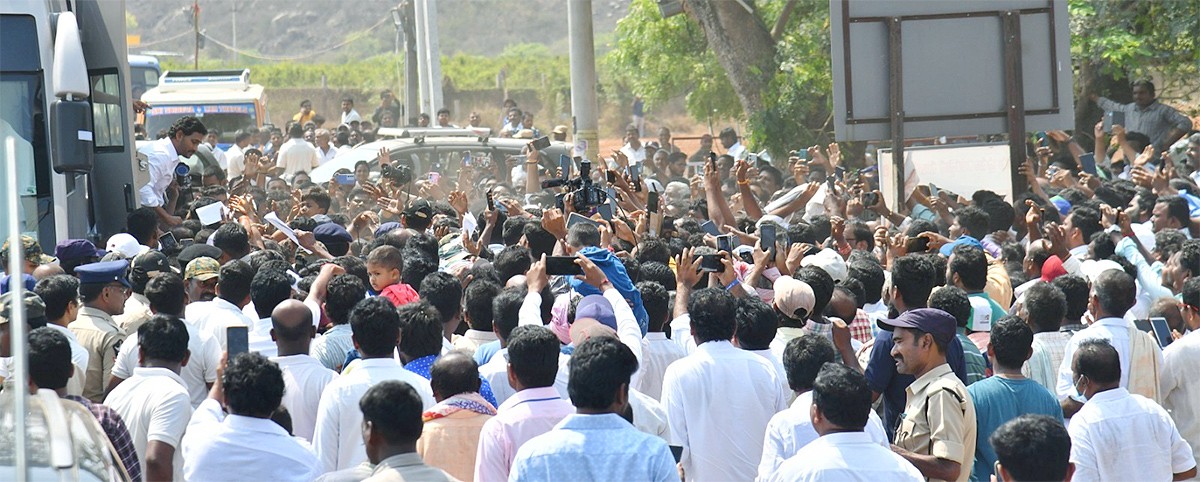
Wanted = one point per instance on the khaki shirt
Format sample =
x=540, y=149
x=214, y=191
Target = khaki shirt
x=102, y=338
x=939, y=419
x=137, y=312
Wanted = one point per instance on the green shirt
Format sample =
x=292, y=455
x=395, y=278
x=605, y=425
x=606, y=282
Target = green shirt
x=974, y=360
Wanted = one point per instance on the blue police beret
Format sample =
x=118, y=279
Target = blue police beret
x=103, y=272
x=332, y=233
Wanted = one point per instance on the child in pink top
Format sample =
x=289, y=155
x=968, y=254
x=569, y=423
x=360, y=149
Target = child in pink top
x=383, y=270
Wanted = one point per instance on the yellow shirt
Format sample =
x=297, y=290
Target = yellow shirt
x=302, y=119
x=939, y=419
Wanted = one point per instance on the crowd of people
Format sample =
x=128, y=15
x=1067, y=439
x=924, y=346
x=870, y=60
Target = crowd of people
x=697, y=316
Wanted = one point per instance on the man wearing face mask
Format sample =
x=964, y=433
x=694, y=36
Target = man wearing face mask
x=1113, y=293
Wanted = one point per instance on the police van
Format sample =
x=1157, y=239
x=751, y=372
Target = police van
x=221, y=99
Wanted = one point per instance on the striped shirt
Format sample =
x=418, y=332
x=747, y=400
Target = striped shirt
x=117, y=433
x=973, y=359
x=1154, y=120
x=1049, y=348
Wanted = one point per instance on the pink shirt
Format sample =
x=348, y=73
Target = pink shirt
x=400, y=294
x=525, y=415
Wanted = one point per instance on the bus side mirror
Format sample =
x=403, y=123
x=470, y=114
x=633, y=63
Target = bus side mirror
x=71, y=114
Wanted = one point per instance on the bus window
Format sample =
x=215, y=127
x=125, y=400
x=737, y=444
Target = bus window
x=22, y=118
x=107, y=124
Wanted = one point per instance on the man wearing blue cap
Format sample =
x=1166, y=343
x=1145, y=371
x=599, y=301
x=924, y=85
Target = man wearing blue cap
x=335, y=238
x=104, y=290
x=74, y=252
x=937, y=431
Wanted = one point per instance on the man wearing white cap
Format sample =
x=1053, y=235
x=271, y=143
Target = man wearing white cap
x=793, y=303
x=125, y=244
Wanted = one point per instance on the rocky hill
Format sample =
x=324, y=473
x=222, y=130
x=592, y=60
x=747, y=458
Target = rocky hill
x=305, y=29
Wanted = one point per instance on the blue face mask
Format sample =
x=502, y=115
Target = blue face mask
x=1077, y=390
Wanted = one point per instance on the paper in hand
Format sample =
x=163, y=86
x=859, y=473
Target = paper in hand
x=211, y=214
x=273, y=218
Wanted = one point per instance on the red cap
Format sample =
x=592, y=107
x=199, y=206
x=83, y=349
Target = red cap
x=1052, y=268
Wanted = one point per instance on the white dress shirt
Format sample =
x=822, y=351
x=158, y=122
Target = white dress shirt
x=201, y=369
x=636, y=156
x=1116, y=331
x=161, y=158
x=1120, y=436
x=304, y=379
x=1181, y=387
x=297, y=155
x=219, y=155
x=660, y=353
x=237, y=161
x=737, y=151
x=213, y=317
x=791, y=430
x=846, y=457
x=338, y=435
x=326, y=156
x=259, y=338
x=228, y=448
x=348, y=117
x=495, y=371
x=628, y=330
x=155, y=406
x=719, y=400
x=79, y=354
x=681, y=333
x=649, y=416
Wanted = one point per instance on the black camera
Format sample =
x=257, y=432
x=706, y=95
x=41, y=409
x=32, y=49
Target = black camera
x=397, y=172
x=584, y=195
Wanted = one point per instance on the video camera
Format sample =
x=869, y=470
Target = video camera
x=397, y=172
x=584, y=195
x=183, y=175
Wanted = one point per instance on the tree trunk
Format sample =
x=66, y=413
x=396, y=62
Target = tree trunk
x=742, y=44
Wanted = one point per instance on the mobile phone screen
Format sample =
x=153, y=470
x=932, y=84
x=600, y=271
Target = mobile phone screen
x=725, y=243
x=933, y=190
x=1162, y=332
x=541, y=143
x=710, y=228
x=237, y=340
x=167, y=241
x=576, y=218
x=767, y=236
x=564, y=164
x=712, y=159
x=611, y=176
x=491, y=202
x=605, y=211
x=562, y=265
x=1088, y=162
x=652, y=201
x=711, y=263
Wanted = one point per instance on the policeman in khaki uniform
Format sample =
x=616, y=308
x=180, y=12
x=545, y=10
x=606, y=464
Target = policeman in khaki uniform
x=937, y=428
x=104, y=290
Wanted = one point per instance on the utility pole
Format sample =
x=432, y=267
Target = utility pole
x=412, y=96
x=433, y=54
x=583, y=78
x=196, y=32
x=422, y=58
x=233, y=6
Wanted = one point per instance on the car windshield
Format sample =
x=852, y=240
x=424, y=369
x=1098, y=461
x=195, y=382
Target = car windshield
x=229, y=118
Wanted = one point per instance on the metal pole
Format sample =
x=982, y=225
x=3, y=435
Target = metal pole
x=583, y=77
x=233, y=19
x=1015, y=97
x=896, y=65
x=196, y=33
x=433, y=55
x=411, y=75
x=20, y=352
x=422, y=58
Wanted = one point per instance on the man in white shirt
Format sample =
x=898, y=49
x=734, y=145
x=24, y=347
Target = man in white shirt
x=477, y=313
x=505, y=310
x=212, y=138
x=1113, y=293
x=325, y=150
x=337, y=437
x=245, y=444
x=733, y=147
x=1118, y=435
x=162, y=156
x=154, y=402
x=844, y=452
x=296, y=155
x=659, y=352
x=348, y=113
x=166, y=296
x=718, y=399
x=304, y=377
x=237, y=153
x=224, y=311
x=793, y=429
x=269, y=288
x=1180, y=386
x=633, y=149
x=60, y=294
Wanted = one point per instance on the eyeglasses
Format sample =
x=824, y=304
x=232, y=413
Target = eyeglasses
x=125, y=290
